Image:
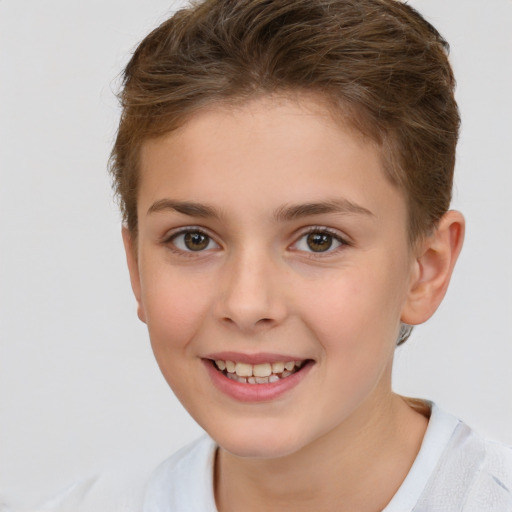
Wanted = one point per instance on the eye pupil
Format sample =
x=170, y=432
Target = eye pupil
x=319, y=242
x=196, y=241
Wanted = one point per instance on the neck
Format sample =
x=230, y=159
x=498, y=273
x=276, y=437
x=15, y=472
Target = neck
x=374, y=449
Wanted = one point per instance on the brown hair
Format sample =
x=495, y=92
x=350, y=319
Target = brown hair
x=379, y=61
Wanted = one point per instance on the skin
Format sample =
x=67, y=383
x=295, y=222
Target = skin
x=257, y=286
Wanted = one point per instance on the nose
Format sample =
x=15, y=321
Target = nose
x=251, y=296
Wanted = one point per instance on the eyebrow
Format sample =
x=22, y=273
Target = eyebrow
x=282, y=214
x=343, y=206
x=185, y=207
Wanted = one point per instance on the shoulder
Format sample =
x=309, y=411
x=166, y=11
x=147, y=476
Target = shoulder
x=499, y=460
x=492, y=482
x=184, y=482
x=194, y=454
x=116, y=491
x=120, y=487
x=456, y=469
x=473, y=471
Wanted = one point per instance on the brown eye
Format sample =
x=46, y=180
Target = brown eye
x=193, y=241
x=196, y=241
x=319, y=242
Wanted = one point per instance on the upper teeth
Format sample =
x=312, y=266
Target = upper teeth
x=257, y=370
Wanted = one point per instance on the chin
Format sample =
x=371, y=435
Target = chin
x=258, y=443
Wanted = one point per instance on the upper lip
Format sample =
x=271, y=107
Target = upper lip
x=257, y=358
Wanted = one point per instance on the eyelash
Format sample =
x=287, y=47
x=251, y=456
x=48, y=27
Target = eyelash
x=321, y=230
x=169, y=241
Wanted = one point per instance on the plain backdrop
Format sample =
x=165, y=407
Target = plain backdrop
x=79, y=389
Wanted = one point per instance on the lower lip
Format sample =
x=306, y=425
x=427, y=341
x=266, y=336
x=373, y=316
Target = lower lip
x=255, y=392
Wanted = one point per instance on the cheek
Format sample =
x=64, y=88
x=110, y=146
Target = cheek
x=358, y=313
x=175, y=309
x=174, y=304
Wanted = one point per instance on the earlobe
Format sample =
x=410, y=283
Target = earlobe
x=133, y=268
x=435, y=259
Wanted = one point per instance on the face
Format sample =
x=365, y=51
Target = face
x=271, y=242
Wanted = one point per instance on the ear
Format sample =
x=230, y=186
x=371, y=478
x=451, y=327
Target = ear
x=435, y=258
x=130, y=247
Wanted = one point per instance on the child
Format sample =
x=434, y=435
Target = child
x=285, y=173
x=284, y=170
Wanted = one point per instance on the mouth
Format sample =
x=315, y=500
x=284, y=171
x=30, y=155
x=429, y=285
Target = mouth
x=257, y=374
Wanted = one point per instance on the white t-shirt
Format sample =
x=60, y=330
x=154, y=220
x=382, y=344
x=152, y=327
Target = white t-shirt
x=455, y=470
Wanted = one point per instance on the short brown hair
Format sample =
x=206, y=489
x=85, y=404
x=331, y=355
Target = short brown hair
x=379, y=61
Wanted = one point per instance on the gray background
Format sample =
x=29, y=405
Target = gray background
x=79, y=390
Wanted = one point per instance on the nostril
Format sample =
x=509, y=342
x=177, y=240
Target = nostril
x=262, y=322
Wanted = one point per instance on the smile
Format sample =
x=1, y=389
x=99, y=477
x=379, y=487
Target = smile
x=256, y=377
x=264, y=373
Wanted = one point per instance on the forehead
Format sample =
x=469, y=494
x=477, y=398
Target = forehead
x=286, y=149
x=269, y=112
